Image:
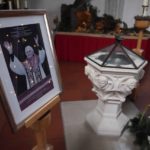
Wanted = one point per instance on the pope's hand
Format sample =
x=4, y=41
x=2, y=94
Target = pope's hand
x=8, y=46
x=36, y=39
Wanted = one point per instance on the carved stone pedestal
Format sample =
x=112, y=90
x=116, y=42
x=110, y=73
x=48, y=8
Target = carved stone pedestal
x=108, y=120
x=111, y=87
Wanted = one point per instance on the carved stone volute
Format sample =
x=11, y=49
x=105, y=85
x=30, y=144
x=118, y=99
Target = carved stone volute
x=108, y=86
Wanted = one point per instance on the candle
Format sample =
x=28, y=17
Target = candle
x=25, y=4
x=145, y=2
x=17, y=4
x=10, y=4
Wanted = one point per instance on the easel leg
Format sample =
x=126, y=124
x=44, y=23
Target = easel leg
x=39, y=128
x=39, y=122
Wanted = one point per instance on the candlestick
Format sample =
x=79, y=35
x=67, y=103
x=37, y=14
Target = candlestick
x=145, y=11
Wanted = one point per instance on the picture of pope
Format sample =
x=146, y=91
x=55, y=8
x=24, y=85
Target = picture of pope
x=31, y=67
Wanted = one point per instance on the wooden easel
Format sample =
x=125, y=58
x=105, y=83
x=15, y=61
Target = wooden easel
x=39, y=121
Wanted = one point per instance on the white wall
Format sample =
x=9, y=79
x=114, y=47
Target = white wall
x=51, y=6
x=131, y=8
x=100, y=4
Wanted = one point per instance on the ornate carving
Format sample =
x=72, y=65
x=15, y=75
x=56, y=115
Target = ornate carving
x=110, y=87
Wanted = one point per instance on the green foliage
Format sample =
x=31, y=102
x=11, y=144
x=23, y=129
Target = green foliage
x=139, y=126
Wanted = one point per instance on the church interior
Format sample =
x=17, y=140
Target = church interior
x=78, y=29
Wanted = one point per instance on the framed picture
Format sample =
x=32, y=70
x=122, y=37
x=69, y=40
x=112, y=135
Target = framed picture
x=29, y=75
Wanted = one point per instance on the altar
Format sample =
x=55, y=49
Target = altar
x=71, y=46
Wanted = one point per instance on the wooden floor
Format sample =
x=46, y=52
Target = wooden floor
x=76, y=86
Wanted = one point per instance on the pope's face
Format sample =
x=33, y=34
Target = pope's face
x=29, y=52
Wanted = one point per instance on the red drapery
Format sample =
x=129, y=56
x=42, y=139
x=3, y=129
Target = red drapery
x=74, y=47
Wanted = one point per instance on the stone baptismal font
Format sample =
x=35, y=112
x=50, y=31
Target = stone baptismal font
x=114, y=72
